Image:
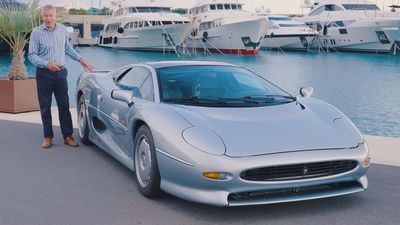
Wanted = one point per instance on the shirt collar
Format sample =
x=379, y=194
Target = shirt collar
x=44, y=27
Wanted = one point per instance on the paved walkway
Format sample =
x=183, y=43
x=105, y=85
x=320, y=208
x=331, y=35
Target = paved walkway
x=85, y=186
x=384, y=150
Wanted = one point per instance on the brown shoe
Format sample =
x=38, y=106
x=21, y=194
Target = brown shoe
x=47, y=143
x=70, y=141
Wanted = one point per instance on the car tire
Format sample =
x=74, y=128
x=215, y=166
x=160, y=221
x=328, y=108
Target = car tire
x=83, y=122
x=146, y=166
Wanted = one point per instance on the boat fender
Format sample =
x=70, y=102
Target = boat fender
x=120, y=30
x=205, y=36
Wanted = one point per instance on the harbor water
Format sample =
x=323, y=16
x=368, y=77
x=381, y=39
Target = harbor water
x=364, y=86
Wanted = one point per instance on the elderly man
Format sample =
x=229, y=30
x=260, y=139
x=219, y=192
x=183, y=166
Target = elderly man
x=47, y=48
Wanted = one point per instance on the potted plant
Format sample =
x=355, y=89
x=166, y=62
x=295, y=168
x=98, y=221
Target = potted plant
x=18, y=93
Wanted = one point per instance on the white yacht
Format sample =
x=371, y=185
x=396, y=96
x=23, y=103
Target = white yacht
x=223, y=26
x=288, y=34
x=73, y=35
x=354, y=25
x=145, y=25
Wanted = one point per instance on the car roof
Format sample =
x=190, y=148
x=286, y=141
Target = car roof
x=163, y=64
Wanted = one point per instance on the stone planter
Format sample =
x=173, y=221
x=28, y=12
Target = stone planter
x=18, y=96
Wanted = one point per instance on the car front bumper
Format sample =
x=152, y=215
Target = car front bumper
x=184, y=178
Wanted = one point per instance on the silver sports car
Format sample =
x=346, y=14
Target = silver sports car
x=219, y=134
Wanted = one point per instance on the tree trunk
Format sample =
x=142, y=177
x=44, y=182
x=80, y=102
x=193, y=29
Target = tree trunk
x=17, y=69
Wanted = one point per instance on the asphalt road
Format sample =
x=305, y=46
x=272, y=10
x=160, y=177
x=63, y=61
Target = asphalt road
x=87, y=186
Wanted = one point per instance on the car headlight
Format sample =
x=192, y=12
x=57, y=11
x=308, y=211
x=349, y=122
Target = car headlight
x=204, y=139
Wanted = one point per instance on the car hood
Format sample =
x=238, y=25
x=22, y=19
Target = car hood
x=312, y=125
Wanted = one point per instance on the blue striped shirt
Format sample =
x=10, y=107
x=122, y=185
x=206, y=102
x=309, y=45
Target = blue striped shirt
x=47, y=45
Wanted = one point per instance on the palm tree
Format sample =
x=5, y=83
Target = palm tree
x=16, y=23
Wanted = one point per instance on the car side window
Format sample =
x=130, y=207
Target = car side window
x=147, y=90
x=120, y=73
x=138, y=80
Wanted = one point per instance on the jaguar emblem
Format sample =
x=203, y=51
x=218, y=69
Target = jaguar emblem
x=305, y=170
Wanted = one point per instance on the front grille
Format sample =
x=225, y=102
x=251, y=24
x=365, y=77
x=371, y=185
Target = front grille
x=293, y=192
x=299, y=171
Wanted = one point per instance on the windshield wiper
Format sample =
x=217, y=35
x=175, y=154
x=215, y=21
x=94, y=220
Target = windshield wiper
x=269, y=97
x=196, y=99
x=260, y=99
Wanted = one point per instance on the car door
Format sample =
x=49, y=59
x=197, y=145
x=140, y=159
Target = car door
x=136, y=79
x=107, y=106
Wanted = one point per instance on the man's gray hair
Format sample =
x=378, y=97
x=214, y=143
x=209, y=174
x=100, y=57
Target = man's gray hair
x=48, y=7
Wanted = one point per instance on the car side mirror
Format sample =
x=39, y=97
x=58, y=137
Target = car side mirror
x=306, y=92
x=123, y=96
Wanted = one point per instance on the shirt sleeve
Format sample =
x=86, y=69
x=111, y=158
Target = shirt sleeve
x=33, y=53
x=69, y=50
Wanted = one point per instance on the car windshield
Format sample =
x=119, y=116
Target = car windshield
x=217, y=86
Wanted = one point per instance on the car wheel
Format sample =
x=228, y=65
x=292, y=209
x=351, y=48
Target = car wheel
x=146, y=167
x=83, y=122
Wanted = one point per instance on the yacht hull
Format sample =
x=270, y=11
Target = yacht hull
x=243, y=37
x=158, y=38
x=287, y=42
x=381, y=36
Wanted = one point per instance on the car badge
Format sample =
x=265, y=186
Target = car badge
x=305, y=170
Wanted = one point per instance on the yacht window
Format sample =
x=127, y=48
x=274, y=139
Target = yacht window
x=166, y=22
x=239, y=7
x=155, y=9
x=333, y=8
x=361, y=7
x=339, y=23
x=167, y=10
x=343, y=31
x=212, y=7
x=158, y=10
x=220, y=6
x=280, y=18
x=204, y=9
x=126, y=26
x=143, y=9
x=234, y=7
x=135, y=24
x=382, y=37
x=292, y=25
x=227, y=6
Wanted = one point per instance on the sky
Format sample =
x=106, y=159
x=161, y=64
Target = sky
x=276, y=6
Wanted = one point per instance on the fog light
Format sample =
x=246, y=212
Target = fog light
x=217, y=175
x=366, y=161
